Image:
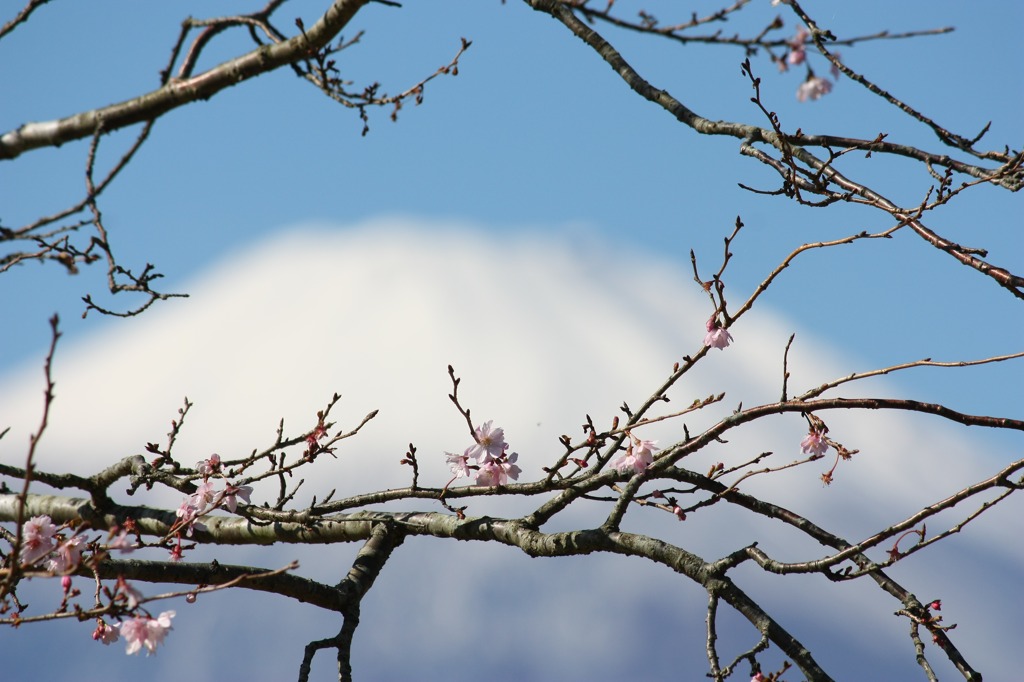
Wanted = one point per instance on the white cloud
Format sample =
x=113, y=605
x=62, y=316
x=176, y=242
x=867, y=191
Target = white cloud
x=543, y=329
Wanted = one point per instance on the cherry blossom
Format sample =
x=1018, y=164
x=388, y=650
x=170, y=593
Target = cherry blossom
x=717, y=337
x=229, y=498
x=122, y=543
x=489, y=474
x=488, y=457
x=813, y=88
x=797, y=53
x=125, y=589
x=317, y=434
x=107, y=634
x=498, y=471
x=210, y=466
x=490, y=443
x=37, y=539
x=145, y=632
x=204, y=495
x=459, y=464
x=67, y=555
x=188, y=513
x=639, y=455
x=814, y=444
x=834, y=69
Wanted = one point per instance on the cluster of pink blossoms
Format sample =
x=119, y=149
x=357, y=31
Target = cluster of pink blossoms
x=40, y=540
x=145, y=632
x=638, y=456
x=488, y=458
x=139, y=632
x=814, y=87
x=206, y=498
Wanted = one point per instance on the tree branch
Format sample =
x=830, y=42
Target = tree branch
x=177, y=93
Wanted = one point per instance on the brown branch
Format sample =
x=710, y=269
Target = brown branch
x=1004, y=278
x=752, y=134
x=927, y=362
x=910, y=603
x=21, y=500
x=22, y=16
x=178, y=93
x=818, y=36
x=999, y=480
x=675, y=32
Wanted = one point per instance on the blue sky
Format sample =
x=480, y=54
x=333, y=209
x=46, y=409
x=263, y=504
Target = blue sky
x=535, y=137
x=535, y=133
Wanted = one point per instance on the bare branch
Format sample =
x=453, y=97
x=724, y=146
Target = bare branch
x=178, y=93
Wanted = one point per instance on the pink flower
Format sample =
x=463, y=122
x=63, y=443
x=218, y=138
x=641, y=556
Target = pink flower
x=105, y=633
x=232, y=492
x=315, y=435
x=122, y=543
x=638, y=456
x=203, y=496
x=145, y=632
x=797, y=54
x=131, y=594
x=813, y=88
x=37, y=539
x=208, y=467
x=489, y=474
x=189, y=513
x=645, y=449
x=490, y=443
x=626, y=462
x=459, y=464
x=814, y=444
x=835, y=68
x=68, y=555
x=498, y=471
x=717, y=337
x=493, y=465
